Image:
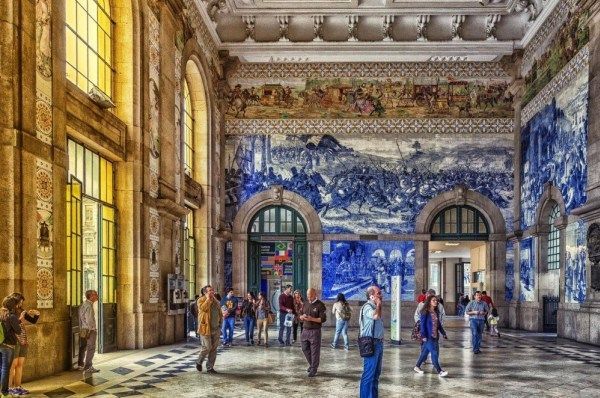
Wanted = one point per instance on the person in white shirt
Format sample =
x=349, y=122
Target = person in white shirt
x=87, y=333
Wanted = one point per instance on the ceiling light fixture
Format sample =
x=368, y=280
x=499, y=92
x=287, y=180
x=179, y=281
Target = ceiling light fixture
x=451, y=243
x=436, y=251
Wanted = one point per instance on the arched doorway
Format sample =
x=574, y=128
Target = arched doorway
x=462, y=246
x=242, y=237
x=277, y=251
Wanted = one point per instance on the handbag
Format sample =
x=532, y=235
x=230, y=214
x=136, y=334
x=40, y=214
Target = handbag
x=416, y=332
x=270, y=318
x=366, y=344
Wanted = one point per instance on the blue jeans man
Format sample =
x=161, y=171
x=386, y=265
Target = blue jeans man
x=227, y=330
x=249, y=323
x=6, y=355
x=288, y=330
x=341, y=327
x=476, y=333
x=369, y=382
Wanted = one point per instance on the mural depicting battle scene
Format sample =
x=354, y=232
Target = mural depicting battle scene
x=349, y=267
x=362, y=185
x=360, y=98
x=509, y=271
x=528, y=269
x=575, y=257
x=566, y=43
x=554, y=149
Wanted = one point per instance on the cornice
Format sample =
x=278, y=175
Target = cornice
x=364, y=127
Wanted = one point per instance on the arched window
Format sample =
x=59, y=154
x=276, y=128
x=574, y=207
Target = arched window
x=188, y=131
x=89, y=44
x=459, y=223
x=553, y=240
x=277, y=220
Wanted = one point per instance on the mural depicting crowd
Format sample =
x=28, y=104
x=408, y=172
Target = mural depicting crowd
x=527, y=270
x=366, y=186
x=553, y=147
x=349, y=267
x=576, y=254
x=354, y=98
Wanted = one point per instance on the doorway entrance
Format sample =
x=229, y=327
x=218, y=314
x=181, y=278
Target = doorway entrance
x=277, y=252
x=91, y=243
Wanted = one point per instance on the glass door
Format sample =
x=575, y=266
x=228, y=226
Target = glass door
x=74, y=261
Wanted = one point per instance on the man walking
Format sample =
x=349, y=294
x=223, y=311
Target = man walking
x=286, y=306
x=229, y=306
x=314, y=315
x=210, y=319
x=87, y=333
x=370, y=320
x=477, y=311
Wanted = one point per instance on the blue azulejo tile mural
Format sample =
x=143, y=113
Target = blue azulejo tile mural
x=528, y=269
x=575, y=258
x=366, y=185
x=553, y=149
x=509, y=276
x=349, y=267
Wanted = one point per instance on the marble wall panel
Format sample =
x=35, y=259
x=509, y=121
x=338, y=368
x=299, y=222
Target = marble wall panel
x=575, y=262
x=349, y=267
x=369, y=185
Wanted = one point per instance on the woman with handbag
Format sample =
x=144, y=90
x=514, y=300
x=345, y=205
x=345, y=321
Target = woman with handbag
x=263, y=310
x=299, y=307
x=370, y=343
x=431, y=329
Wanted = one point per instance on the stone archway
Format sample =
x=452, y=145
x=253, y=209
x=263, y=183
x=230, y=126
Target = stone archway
x=496, y=248
x=276, y=195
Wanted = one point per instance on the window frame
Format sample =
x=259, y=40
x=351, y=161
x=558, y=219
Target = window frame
x=274, y=221
x=553, y=249
x=188, y=158
x=439, y=226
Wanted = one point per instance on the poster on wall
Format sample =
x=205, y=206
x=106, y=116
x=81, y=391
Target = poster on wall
x=528, y=269
x=575, y=262
x=276, y=259
x=395, y=323
x=349, y=267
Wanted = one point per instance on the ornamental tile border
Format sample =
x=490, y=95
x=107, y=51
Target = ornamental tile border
x=465, y=70
x=556, y=85
x=545, y=33
x=154, y=267
x=44, y=193
x=375, y=127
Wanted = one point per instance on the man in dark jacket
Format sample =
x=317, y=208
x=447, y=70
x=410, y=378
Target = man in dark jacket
x=314, y=315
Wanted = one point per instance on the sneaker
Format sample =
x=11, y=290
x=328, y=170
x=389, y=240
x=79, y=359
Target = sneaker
x=21, y=391
x=312, y=374
x=199, y=366
x=91, y=369
x=347, y=348
x=78, y=367
x=332, y=346
x=212, y=372
x=418, y=370
x=443, y=373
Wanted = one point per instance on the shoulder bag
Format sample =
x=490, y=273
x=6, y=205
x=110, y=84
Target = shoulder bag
x=366, y=344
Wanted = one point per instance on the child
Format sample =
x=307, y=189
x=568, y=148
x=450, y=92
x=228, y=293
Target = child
x=493, y=319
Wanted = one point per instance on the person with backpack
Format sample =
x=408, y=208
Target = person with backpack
x=341, y=310
x=10, y=331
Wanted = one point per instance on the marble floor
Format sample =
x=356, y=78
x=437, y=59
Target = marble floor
x=518, y=364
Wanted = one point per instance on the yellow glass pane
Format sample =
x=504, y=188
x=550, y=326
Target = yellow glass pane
x=71, y=10
x=104, y=5
x=103, y=179
x=107, y=49
x=101, y=40
x=82, y=22
x=108, y=78
x=68, y=262
x=71, y=53
x=82, y=66
x=104, y=22
x=93, y=34
x=92, y=10
x=109, y=183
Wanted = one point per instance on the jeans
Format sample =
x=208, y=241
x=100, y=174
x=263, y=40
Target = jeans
x=430, y=346
x=476, y=332
x=369, y=382
x=341, y=327
x=249, y=328
x=227, y=330
x=6, y=354
x=288, y=331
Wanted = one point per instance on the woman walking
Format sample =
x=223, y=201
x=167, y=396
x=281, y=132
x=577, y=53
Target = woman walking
x=431, y=328
x=249, y=314
x=12, y=329
x=342, y=313
x=299, y=307
x=16, y=370
x=263, y=309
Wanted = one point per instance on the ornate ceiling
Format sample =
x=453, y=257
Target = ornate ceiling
x=372, y=30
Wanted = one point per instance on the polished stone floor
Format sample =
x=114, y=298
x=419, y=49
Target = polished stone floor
x=518, y=364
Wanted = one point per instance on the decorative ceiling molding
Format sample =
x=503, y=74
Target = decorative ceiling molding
x=556, y=85
x=203, y=34
x=373, y=127
x=382, y=70
x=480, y=30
